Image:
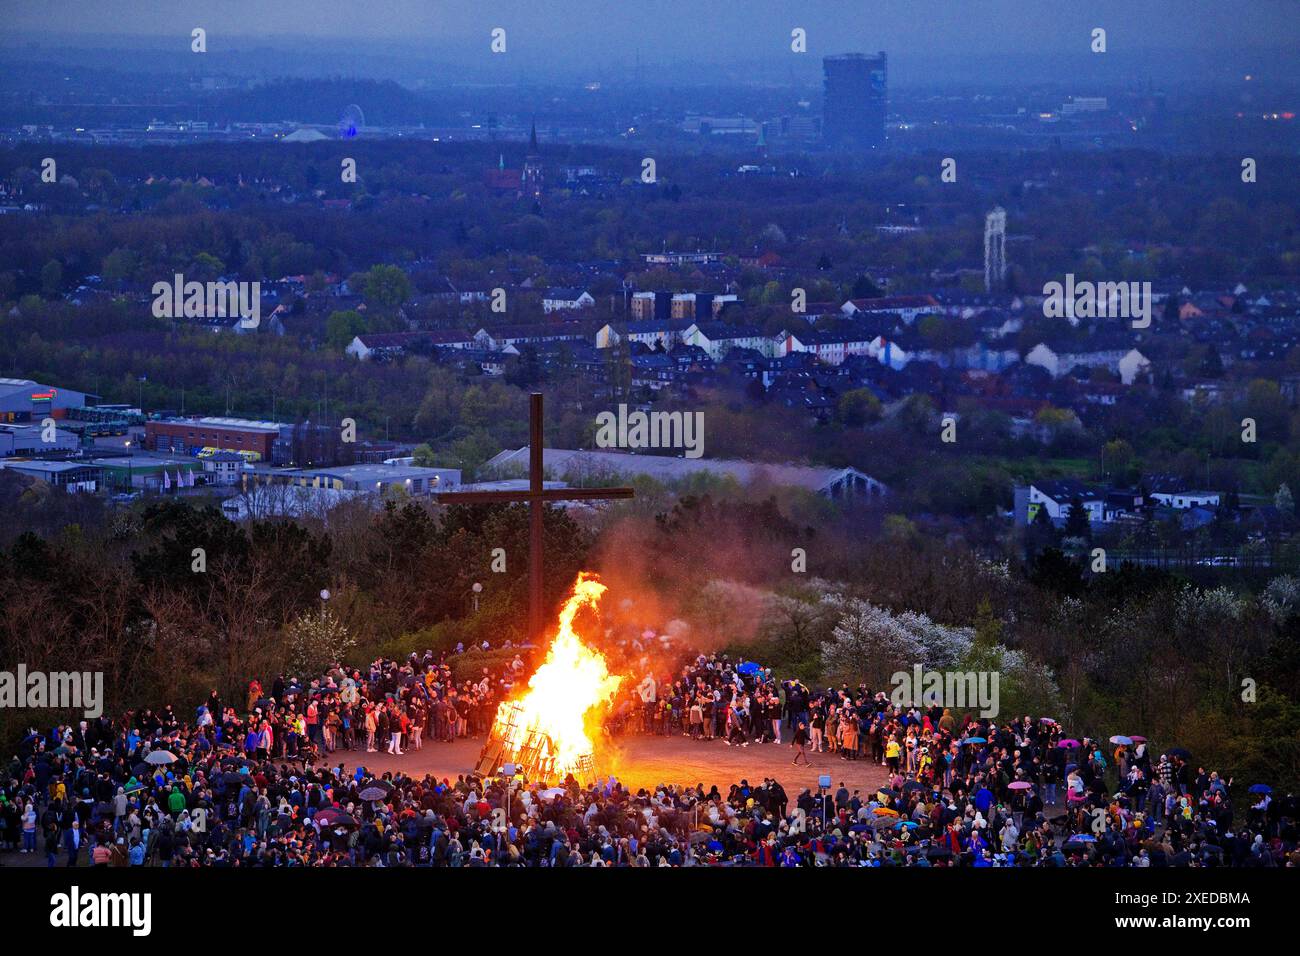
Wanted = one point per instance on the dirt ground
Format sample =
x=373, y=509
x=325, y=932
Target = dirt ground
x=648, y=761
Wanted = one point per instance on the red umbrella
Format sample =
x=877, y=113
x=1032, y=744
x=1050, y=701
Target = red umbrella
x=1137, y=738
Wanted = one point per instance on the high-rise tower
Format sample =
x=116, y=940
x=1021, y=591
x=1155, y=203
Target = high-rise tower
x=995, y=249
x=855, y=96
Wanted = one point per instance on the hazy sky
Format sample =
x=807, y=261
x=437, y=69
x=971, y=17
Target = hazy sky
x=728, y=29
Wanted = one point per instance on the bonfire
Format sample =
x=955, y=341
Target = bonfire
x=547, y=731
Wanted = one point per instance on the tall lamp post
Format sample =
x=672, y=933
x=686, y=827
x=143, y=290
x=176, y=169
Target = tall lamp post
x=477, y=589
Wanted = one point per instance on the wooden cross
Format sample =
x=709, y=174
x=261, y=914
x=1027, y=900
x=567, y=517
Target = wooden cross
x=536, y=496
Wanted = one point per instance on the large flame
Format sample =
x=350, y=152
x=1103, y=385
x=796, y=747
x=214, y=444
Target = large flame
x=572, y=681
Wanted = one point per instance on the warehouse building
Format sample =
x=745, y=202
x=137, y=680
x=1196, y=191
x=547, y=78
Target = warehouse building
x=18, y=440
x=72, y=476
x=374, y=479
x=22, y=400
x=255, y=440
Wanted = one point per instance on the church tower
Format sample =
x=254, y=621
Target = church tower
x=532, y=177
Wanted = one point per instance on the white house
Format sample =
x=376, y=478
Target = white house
x=718, y=339
x=888, y=353
x=566, y=300
x=662, y=334
x=516, y=335
x=223, y=468
x=1174, y=492
x=906, y=307
x=830, y=348
x=1128, y=364
x=1054, y=497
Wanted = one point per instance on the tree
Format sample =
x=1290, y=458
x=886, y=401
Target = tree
x=1076, y=522
x=386, y=287
x=865, y=288
x=1283, y=501
x=857, y=407
x=315, y=640
x=120, y=265
x=342, y=327
x=52, y=277
x=870, y=643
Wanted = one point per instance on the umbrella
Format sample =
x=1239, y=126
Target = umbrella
x=1260, y=788
x=141, y=769
x=908, y=824
x=1082, y=838
x=913, y=785
x=552, y=793
x=885, y=812
x=334, y=817
x=1071, y=766
x=1020, y=785
x=230, y=777
x=1179, y=752
x=974, y=740
x=157, y=757
x=1046, y=720
x=1121, y=739
x=1069, y=744
x=373, y=793
x=747, y=667
x=1137, y=738
x=383, y=785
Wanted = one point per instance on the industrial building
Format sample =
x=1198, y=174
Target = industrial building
x=72, y=476
x=30, y=440
x=374, y=479
x=22, y=400
x=257, y=441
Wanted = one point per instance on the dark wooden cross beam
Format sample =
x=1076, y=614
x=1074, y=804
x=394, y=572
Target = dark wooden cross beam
x=536, y=496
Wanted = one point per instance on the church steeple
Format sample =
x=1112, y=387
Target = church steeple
x=532, y=175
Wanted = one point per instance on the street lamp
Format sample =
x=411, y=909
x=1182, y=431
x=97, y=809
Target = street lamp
x=477, y=589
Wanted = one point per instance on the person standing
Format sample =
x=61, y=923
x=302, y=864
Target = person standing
x=397, y=724
x=799, y=740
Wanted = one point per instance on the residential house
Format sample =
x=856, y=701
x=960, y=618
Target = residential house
x=566, y=300
x=717, y=338
x=906, y=307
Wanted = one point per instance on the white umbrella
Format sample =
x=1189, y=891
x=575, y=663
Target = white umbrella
x=160, y=757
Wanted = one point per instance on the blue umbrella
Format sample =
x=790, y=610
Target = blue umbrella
x=747, y=667
x=1260, y=788
x=1121, y=739
x=975, y=740
x=1082, y=838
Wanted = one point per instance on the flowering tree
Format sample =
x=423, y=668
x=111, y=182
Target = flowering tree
x=315, y=640
x=870, y=643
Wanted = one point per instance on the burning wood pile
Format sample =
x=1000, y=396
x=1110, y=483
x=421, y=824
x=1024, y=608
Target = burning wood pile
x=547, y=733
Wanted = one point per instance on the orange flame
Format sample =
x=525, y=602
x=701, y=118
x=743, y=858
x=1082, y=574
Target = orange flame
x=572, y=681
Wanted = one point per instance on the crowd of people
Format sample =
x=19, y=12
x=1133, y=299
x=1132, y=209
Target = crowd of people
x=262, y=784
